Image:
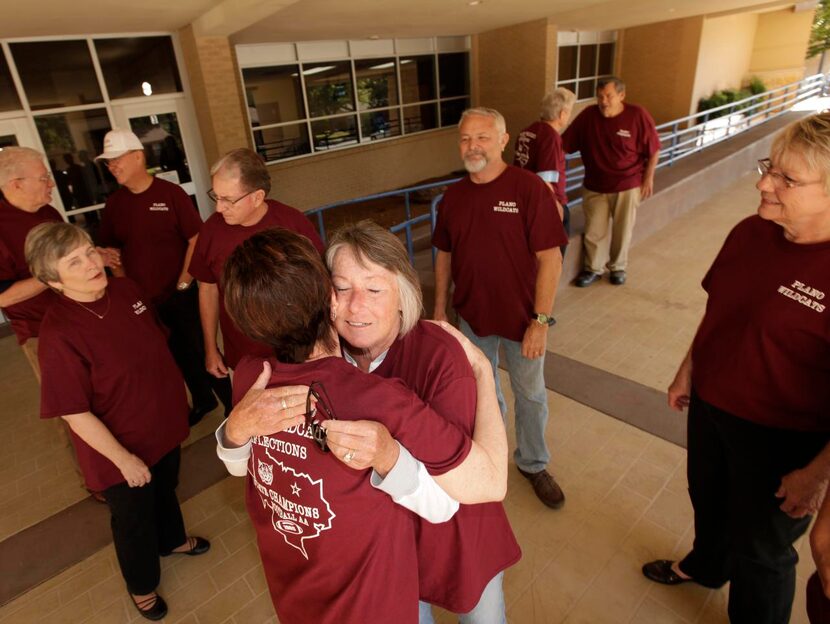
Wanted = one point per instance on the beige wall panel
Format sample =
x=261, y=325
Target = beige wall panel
x=515, y=68
x=781, y=42
x=725, y=52
x=658, y=63
x=325, y=178
x=217, y=94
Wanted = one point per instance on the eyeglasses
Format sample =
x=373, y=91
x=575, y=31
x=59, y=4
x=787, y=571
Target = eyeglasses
x=779, y=180
x=216, y=199
x=318, y=392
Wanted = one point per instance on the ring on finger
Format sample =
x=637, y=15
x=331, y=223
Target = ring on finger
x=284, y=404
x=349, y=456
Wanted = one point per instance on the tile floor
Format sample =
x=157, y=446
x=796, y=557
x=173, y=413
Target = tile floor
x=626, y=489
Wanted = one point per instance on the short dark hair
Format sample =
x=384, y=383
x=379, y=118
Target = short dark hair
x=248, y=166
x=619, y=85
x=278, y=291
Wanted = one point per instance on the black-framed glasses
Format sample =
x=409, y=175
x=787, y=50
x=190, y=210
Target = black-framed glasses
x=318, y=392
x=216, y=199
x=779, y=180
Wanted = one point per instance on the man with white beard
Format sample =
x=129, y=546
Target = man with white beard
x=498, y=234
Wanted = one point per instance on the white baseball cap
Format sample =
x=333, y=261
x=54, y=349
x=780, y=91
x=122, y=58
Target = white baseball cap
x=118, y=142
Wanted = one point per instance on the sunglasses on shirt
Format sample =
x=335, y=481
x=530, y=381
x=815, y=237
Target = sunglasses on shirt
x=318, y=393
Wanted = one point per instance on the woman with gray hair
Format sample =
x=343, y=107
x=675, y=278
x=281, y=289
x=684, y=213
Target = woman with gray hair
x=108, y=373
x=380, y=304
x=756, y=381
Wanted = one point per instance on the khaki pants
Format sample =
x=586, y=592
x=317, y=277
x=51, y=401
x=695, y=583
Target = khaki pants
x=30, y=351
x=608, y=245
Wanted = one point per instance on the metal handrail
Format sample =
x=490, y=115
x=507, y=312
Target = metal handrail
x=675, y=145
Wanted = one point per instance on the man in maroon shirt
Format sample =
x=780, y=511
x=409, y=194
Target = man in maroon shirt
x=155, y=225
x=240, y=187
x=497, y=236
x=539, y=148
x=620, y=149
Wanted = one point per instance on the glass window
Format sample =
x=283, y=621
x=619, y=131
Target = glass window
x=380, y=124
x=587, y=61
x=567, y=62
x=451, y=111
x=328, y=88
x=377, y=83
x=283, y=141
x=56, y=73
x=138, y=66
x=71, y=142
x=163, y=146
x=420, y=117
x=7, y=140
x=418, y=78
x=334, y=132
x=8, y=94
x=586, y=89
x=605, y=66
x=274, y=94
x=453, y=74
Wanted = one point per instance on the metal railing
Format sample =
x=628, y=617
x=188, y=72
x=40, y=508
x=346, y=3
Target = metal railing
x=688, y=135
x=679, y=139
x=405, y=226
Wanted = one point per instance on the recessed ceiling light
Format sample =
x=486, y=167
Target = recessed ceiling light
x=474, y=2
x=373, y=37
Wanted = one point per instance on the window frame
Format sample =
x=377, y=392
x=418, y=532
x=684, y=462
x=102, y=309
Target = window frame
x=579, y=40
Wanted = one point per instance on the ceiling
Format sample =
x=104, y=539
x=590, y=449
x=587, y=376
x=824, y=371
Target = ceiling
x=254, y=21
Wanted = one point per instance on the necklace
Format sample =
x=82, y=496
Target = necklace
x=93, y=312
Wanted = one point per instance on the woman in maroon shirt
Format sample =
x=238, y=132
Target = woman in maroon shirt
x=108, y=373
x=334, y=548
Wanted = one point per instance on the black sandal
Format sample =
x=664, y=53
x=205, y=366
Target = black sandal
x=198, y=546
x=152, y=608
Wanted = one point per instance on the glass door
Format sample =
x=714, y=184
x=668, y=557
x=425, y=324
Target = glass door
x=171, y=144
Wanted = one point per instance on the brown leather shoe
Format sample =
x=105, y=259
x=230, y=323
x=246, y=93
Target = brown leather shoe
x=546, y=488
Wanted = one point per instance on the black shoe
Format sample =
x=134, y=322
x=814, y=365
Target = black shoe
x=152, y=608
x=546, y=488
x=660, y=571
x=617, y=278
x=586, y=278
x=198, y=412
x=198, y=546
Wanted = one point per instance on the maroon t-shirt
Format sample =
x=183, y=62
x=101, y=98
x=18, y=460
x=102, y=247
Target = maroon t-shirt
x=217, y=241
x=456, y=559
x=762, y=351
x=614, y=149
x=539, y=149
x=151, y=229
x=335, y=550
x=26, y=316
x=493, y=231
x=120, y=369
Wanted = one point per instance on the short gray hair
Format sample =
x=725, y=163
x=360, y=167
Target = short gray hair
x=555, y=102
x=248, y=166
x=619, y=85
x=370, y=242
x=47, y=243
x=483, y=111
x=12, y=160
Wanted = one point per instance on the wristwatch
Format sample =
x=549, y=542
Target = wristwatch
x=544, y=319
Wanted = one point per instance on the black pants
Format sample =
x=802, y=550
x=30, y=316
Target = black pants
x=566, y=223
x=741, y=535
x=180, y=314
x=146, y=521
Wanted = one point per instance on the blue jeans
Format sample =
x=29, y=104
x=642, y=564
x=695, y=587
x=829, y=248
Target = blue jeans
x=531, y=399
x=489, y=610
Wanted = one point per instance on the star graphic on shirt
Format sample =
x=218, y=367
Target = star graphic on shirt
x=295, y=489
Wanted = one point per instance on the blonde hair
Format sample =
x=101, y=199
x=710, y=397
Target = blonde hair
x=810, y=139
x=47, y=243
x=370, y=242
